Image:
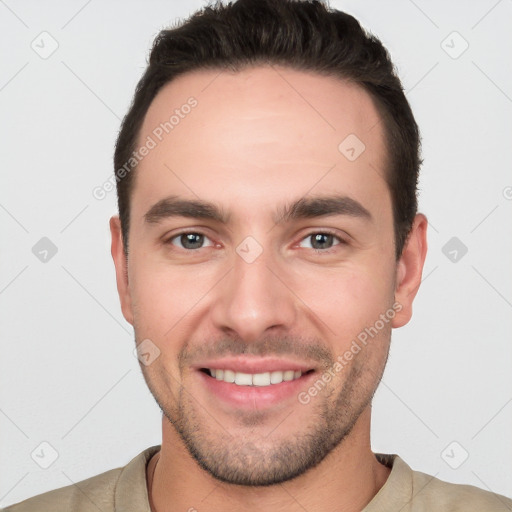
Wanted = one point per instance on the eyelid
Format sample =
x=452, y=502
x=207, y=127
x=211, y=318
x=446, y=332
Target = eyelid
x=343, y=238
x=167, y=239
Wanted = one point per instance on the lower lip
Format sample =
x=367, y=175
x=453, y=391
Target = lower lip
x=251, y=397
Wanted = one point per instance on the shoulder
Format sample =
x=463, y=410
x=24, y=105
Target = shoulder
x=435, y=494
x=95, y=493
x=123, y=488
x=422, y=492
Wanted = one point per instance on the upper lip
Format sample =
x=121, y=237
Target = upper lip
x=246, y=364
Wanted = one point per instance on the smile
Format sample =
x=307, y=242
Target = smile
x=254, y=379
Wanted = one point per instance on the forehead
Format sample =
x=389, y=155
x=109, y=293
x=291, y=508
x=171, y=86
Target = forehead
x=261, y=135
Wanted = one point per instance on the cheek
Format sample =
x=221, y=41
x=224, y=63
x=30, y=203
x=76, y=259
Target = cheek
x=348, y=300
x=166, y=298
x=158, y=313
x=157, y=305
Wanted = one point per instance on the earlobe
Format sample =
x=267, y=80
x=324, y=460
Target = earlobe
x=409, y=269
x=121, y=265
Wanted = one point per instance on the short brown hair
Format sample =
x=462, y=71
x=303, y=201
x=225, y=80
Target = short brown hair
x=299, y=34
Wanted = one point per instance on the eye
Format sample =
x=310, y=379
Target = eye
x=190, y=241
x=321, y=241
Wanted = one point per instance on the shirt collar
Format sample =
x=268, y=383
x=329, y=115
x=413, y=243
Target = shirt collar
x=131, y=493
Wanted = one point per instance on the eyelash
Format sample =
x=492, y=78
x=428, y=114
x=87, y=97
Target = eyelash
x=341, y=240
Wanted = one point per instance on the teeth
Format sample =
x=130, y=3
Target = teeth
x=255, y=379
x=288, y=375
x=229, y=376
x=243, y=379
x=276, y=377
x=261, y=379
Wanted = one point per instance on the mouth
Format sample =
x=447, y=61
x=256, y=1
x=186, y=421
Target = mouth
x=245, y=383
x=254, y=379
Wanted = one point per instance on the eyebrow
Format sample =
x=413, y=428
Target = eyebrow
x=311, y=207
x=304, y=208
x=175, y=207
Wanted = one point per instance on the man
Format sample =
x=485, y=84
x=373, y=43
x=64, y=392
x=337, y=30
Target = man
x=267, y=242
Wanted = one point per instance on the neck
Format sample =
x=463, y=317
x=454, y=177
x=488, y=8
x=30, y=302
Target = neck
x=350, y=476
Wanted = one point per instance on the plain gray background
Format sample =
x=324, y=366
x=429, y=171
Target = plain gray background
x=68, y=376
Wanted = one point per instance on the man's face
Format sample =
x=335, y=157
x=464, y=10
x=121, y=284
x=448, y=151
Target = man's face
x=286, y=261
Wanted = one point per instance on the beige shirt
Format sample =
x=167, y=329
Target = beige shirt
x=125, y=489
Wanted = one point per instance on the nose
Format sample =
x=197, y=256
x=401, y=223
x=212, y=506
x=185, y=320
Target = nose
x=254, y=299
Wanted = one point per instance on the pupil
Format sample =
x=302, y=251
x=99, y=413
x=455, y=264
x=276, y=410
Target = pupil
x=192, y=240
x=322, y=241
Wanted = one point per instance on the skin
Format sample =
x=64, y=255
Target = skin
x=258, y=140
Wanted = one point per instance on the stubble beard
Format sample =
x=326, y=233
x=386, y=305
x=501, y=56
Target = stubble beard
x=254, y=459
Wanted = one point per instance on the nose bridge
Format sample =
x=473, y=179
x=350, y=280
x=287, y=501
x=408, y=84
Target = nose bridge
x=254, y=299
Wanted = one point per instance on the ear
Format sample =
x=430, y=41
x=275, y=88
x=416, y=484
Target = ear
x=409, y=270
x=121, y=264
